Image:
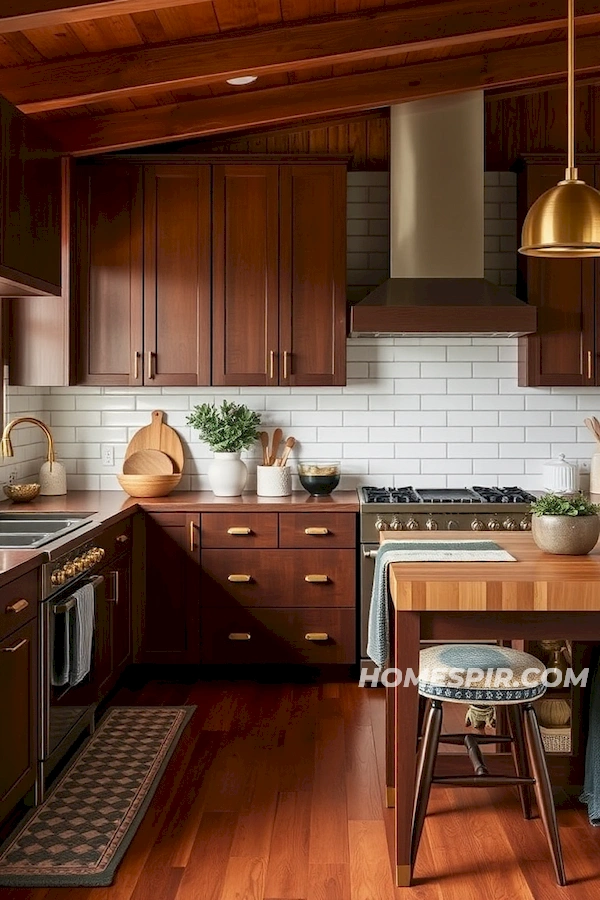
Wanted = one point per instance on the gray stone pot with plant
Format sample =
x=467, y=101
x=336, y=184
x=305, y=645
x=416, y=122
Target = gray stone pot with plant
x=567, y=526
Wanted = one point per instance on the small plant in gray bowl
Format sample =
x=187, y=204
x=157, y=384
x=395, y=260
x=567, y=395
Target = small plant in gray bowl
x=567, y=525
x=227, y=429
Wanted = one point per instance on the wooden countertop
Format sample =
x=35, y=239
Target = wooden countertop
x=298, y=501
x=535, y=582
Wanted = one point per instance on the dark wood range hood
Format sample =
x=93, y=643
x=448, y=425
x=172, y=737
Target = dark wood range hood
x=460, y=306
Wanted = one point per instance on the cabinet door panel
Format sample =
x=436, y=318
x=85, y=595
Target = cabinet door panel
x=108, y=273
x=30, y=234
x=177, y=289
x=562, y=351
x=313, y=275
x=170, y=618
x=245, y=267
x=18, y=715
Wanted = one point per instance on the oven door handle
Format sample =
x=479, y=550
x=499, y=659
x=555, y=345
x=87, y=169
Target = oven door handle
x=70, y=602
x=369, y=554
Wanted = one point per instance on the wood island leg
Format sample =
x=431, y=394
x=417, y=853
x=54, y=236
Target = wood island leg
x=407, y=635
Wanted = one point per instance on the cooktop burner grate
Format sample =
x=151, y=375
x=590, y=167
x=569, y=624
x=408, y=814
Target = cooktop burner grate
x=477, y=494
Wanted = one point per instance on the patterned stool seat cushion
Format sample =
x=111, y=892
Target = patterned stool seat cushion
x=480, y=673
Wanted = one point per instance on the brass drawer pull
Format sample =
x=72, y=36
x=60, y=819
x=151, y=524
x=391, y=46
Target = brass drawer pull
x=242, y=530
x=122, y=538
x=16, y=647
x=18, y=606
x=316, y=636
x=192, y=536
x=316, y=579
x=316, y=531
x=239, y=636
x=239, y=578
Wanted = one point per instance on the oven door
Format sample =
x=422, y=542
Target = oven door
x=65, y=709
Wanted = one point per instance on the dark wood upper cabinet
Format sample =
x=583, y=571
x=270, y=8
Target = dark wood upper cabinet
x=312, y=300
x=564, y=349
x=245, y=274
x=108, y=273
x=30, y=213
x=177, y=275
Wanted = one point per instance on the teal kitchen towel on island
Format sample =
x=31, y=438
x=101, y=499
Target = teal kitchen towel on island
x=378, y=645
x=591, y=784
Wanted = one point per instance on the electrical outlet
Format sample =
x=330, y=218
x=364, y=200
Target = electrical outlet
x=108, y=455
x=12, y=478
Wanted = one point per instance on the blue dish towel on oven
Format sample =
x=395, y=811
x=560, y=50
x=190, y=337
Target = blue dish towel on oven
x=591, y=785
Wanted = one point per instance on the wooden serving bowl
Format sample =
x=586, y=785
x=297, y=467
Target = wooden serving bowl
x=149, y=485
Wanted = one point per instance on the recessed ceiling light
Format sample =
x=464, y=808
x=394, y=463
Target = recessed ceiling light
x=243, y=79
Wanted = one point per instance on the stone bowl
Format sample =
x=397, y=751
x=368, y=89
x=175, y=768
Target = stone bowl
x=566, y=535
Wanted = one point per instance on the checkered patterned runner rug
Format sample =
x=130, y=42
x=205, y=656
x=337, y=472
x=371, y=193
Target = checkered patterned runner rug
x=79, y=834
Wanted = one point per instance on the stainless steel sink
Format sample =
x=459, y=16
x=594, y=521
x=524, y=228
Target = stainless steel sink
x=30, y=530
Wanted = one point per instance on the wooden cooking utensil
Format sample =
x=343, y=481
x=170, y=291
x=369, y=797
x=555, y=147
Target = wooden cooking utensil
x=158, y=436
x=148, y=462
x=275, y=442
x=264, y=439
x=289, y=446
x=593, y=426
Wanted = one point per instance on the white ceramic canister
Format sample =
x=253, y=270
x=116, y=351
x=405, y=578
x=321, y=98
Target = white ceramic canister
x=273, y=481
x=560, y=476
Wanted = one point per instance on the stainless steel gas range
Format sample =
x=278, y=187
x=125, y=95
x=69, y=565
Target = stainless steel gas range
x=475, y=509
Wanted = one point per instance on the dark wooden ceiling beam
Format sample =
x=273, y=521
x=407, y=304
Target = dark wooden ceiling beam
x=106, y=76
x=329, y=96
x=21, y=15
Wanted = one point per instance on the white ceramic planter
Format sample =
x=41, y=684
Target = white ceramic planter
x=227, y=475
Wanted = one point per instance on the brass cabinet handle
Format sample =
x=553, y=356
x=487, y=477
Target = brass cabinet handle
x=316, y=531
x=16, y=647
x=239, y=636
x=192, y=536
x=271, y=364
x=286, y=356
x=241, y=530
x=151, y=367
x=122, y=538
x=316, y=579
x=136, y=365
x=589, y=360
x=18, y=606
x=316, y=636
x=239, y=578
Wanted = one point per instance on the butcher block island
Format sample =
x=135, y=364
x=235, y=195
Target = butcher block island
x=537, y=597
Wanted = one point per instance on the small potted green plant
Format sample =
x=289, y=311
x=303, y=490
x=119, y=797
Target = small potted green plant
x=227, y=430
x=565, y=524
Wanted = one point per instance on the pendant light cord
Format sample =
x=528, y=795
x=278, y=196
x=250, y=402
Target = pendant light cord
x=571, y=172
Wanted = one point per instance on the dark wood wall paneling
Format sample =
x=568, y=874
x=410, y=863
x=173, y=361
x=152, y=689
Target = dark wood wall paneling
x=536, y=122
x=365, y=138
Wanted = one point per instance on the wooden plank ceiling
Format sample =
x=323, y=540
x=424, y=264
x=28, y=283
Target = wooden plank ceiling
x=109, y=74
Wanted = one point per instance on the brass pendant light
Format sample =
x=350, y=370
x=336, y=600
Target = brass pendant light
x=564, y=223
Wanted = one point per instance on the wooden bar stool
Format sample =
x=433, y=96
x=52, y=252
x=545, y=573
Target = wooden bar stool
x=479, y=674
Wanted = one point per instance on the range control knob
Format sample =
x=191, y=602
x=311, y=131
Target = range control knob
x=493, y=525
x=412, y=525
x=477, y=525
x=525, y=524
x=509, y=524
x=381, y=524
x=396, y=524
x=431, y=524
x=452, y=525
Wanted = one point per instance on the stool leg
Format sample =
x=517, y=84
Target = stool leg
x=425, y=767
x=519, y=752
x=543, y=789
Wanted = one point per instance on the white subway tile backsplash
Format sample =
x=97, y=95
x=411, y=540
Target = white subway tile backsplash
x=398, y=433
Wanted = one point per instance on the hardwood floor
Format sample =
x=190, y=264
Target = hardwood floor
x=275, y=792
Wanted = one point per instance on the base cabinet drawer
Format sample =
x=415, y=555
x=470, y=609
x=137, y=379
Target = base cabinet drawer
x=250, y=636
x=239, y=530
x=19, y=602
x=278, y=578
x=317, y=530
